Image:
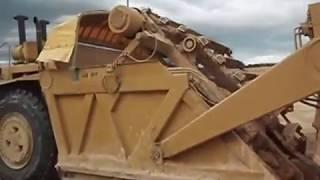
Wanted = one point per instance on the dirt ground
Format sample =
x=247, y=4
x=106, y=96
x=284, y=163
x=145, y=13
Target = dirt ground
x=303, y=115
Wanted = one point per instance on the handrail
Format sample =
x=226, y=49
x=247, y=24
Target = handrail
x=3, y=44
x=298, y=37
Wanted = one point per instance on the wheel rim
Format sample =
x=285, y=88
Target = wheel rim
x=16, y=142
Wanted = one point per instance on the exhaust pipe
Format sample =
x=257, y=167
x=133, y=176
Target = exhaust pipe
x=41, y=32
x=21, y=27
x=38, y=34
x=43, y=26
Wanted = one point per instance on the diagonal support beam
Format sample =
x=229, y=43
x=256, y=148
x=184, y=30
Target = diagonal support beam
x=293, y=79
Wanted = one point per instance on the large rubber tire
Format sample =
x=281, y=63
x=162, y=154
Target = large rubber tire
x=43, y=156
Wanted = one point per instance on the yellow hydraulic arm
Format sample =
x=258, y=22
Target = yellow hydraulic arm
x=293, y=79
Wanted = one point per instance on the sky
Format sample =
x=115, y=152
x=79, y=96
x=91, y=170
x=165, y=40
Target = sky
x=257, y=31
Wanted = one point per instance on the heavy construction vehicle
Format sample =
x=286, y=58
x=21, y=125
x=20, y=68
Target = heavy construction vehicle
x=128, y=94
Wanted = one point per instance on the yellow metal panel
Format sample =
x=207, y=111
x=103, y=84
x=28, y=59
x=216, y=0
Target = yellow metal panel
x=111, y=140
x=159, y=119
x=72, y=121
x=60, y=43
x=132, y=115
x=57, y=124
x=314, y=10
x=83, y=121
x=101, y=130
x=190, y=107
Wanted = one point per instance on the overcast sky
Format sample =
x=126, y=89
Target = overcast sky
x=256, y=30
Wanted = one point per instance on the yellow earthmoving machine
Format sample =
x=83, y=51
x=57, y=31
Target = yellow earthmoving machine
x=128, y=94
